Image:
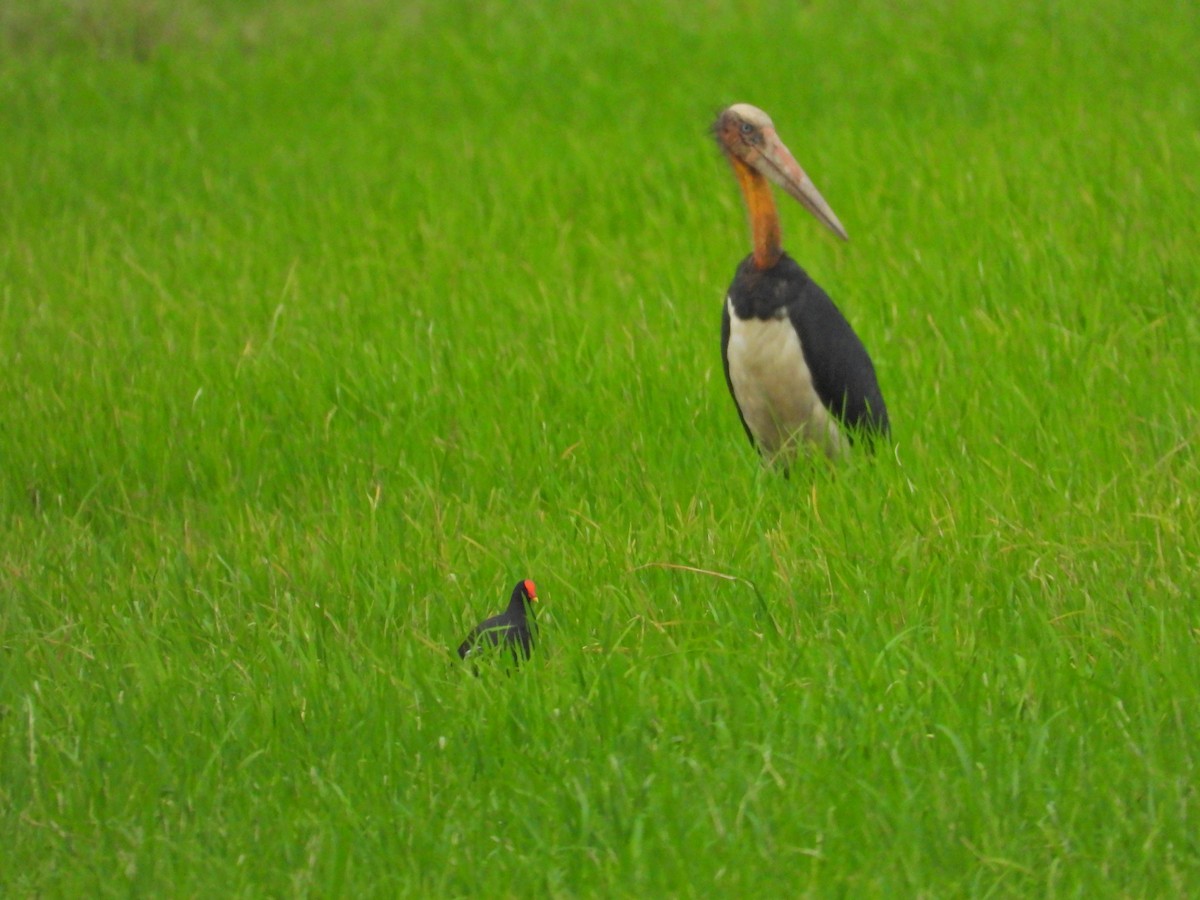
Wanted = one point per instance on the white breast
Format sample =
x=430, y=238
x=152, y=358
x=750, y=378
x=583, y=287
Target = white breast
x=774, y=389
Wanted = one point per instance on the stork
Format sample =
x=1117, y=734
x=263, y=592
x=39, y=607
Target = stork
x=797, y=371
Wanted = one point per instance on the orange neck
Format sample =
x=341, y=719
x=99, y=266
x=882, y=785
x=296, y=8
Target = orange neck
x=764, y=219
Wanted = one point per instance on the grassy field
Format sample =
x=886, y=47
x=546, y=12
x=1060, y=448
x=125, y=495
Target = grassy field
x=323, y=324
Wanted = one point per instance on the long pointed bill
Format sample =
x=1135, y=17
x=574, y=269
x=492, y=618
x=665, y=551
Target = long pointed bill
x=781, y=167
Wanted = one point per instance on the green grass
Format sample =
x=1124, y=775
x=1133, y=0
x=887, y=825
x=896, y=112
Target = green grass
x=319, y=328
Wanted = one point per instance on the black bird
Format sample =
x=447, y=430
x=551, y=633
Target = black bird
x=795, y=367
x=514, y=628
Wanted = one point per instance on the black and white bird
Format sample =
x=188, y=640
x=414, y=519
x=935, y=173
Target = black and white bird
x=513, y=629
x=797, y=371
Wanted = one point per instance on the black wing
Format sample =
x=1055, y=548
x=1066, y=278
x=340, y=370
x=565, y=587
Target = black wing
x=490, y=630
x=842, y=371
x=516, y=637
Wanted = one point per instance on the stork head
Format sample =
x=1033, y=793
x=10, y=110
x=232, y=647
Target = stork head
x=748, y=137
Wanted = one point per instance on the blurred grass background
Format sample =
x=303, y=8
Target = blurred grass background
x=323, y=323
